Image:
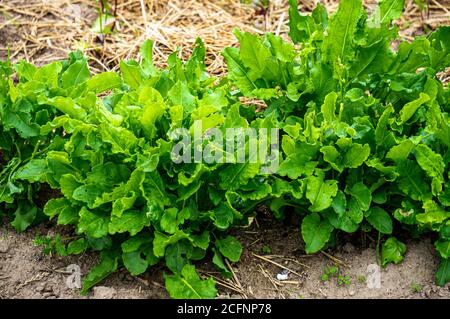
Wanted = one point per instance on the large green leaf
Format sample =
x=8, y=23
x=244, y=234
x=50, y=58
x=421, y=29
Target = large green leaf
x=316, y=232
x=134, y=262
x=392, y=251
x=230, y=248
x=75, y=74
x=189, y=285
x=339, y=43
x=320, y=193
x=443, y=273
x=380, y=220
x=107, y=265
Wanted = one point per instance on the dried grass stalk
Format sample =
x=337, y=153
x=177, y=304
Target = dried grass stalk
x=41, y=31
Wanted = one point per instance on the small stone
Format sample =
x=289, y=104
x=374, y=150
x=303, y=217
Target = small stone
x=348, y=248
x=351, y=293
x=102, y=292
x=47, y=294
x=40, y=288
x=4, y=247
x=51, y=297
x=282, y=277
x=38, y=257
x=235, y=297
x=428, y=292
x=48, y=288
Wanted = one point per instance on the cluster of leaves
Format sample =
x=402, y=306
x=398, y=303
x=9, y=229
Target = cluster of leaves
x=105, y=143
x=333, y=271
x=366, y=128
x=23, y=113
x=365, y=143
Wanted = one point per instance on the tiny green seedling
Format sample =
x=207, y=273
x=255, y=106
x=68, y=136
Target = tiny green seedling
x=334, y=272
x=51, y=245
x=329, y=272
x=267, y=250
x=362, y=279
x=416, y=287
x=344, y=280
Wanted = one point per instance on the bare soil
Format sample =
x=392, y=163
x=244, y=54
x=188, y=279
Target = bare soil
x=25, y=272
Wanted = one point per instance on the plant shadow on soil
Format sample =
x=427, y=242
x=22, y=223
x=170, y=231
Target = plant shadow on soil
x=26, y=272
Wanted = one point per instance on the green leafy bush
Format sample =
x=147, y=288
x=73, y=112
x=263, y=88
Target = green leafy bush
x=366, y=128
x=121, y=189
x=365, y=138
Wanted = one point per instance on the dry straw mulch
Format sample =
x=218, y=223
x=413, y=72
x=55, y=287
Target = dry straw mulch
x=41, y=31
